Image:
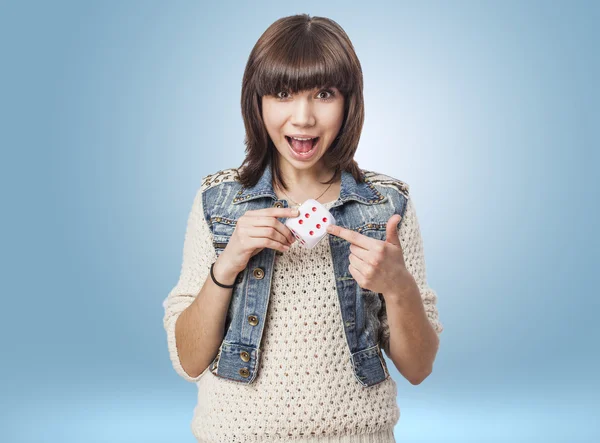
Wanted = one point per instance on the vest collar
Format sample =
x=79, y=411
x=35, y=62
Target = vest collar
x=350, y=190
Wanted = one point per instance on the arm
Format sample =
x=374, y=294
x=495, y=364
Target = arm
x=410, y=331
x=196, y=308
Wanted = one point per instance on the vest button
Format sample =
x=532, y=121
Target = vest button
x=253, y=320
x=258, y=273
x=278, y=205
x=245, y=356
x=244, y=372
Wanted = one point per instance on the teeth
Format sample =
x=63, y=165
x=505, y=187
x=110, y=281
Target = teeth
x=303, y=139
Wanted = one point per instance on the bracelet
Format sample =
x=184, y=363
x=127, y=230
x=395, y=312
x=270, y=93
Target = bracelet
x=212, y=275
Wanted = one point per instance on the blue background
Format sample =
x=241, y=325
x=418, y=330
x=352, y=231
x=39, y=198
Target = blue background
x=113, y=111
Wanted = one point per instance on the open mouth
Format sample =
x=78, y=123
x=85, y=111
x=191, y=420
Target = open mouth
x=302, y=147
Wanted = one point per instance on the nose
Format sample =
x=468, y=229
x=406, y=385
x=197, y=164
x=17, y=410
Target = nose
x=302, y=113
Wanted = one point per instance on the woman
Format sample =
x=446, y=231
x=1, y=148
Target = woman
x=285, y=342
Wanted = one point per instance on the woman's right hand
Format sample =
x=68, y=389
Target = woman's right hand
x=254, y=231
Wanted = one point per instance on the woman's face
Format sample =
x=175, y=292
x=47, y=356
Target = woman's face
x=307, y=114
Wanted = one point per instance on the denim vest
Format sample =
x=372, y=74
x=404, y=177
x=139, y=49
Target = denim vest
x=362, y=207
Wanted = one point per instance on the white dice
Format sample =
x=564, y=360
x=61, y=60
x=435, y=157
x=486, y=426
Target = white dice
x=310, y=226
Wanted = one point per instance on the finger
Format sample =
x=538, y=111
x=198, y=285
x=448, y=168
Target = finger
x=273, y=212
x=363, y=254
x=358, y=264
x=260, y=221
x=357, y=275
x=352, y=236
x=283, y=229
x=269, y=232
x=266, y=242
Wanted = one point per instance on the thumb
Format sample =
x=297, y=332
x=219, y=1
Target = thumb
x=391, y=230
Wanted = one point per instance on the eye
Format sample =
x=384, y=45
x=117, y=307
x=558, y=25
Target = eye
x=330, y=94
x=278, y=95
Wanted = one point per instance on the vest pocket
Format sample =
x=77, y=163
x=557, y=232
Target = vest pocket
x=374, y=230
x=222, y=230
x=220, y=247
x=369, y=366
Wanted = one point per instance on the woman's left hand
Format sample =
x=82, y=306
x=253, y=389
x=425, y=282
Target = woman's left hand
x=377, y=265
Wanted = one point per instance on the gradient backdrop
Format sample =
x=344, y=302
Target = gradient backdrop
x=113, y=111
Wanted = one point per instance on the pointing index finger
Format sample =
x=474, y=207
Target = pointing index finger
x=348, y=234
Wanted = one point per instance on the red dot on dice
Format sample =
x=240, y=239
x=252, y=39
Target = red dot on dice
x=314, y=209
x=324, y=219
x=311, y=232
x=318, y=226
x=307, y=215
x=300, y=221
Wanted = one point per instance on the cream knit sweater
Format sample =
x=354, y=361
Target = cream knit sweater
x=305, y=390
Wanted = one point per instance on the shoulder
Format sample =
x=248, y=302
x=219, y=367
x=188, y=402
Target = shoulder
x=379, y=179
x=219, y=177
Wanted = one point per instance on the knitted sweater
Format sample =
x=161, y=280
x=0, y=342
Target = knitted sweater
x=306, y=389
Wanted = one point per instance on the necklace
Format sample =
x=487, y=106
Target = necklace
x=298, y=204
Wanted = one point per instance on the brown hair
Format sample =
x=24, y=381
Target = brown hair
x=299, y=53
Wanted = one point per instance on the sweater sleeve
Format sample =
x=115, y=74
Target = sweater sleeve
x=198, y=255
x=411, y=241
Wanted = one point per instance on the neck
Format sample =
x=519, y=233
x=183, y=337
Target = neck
x=302, y=187
x=305, y=178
